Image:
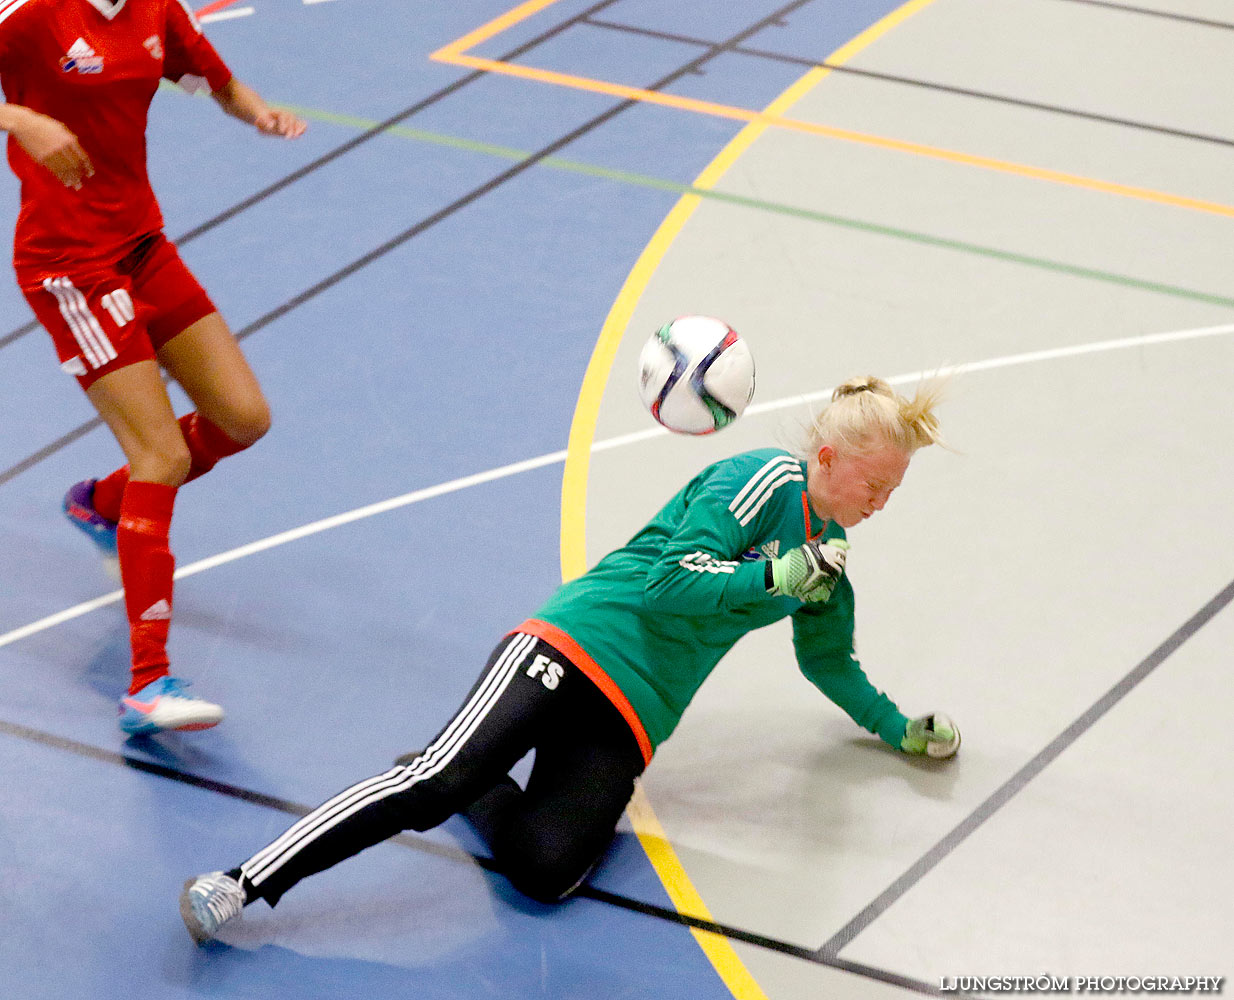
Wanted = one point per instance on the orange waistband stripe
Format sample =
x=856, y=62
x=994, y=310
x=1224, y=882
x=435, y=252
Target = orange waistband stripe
x=558, y=639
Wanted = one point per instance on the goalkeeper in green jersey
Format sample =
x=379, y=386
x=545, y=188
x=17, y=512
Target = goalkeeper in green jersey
x=602, y=673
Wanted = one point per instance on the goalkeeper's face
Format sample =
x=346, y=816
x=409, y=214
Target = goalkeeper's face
x=849, y=486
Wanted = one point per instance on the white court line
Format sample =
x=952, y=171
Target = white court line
x=282, y=538
x=454, y=485
x=1010, y=361
x=226, y=15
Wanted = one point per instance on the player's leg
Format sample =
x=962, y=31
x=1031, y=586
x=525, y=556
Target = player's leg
x=497, y=724
x=207, y=362
x=195, y=346
x=133, y=402
x=548, y=838
x=198, y=350
x=102, y=338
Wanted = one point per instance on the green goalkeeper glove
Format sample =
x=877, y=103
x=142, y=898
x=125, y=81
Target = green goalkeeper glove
x=809, y=573
x=932, y=735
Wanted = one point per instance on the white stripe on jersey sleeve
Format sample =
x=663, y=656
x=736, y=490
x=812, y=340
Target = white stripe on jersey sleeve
x=9, y=8
x=785, y=476
x=755, y=494
x=701, y=562
x=191, y=16
x=753, y=481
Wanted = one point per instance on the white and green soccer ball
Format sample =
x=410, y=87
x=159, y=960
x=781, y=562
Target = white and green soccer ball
x=696, y=375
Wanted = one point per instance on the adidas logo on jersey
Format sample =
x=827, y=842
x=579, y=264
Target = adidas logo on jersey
x=154, y=46
x=159, y=611
x=768, y=550
x=81, y=58
x=765, y=551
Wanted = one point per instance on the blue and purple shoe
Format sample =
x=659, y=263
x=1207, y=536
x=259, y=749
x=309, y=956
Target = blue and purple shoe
x=79, y=509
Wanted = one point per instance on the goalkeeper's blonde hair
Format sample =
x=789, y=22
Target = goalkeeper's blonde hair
x=866, y=412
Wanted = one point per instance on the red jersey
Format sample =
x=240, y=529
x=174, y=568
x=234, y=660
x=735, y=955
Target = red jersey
x=95, y=66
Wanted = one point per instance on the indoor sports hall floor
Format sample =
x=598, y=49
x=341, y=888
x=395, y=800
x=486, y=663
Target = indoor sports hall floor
x=443, y=288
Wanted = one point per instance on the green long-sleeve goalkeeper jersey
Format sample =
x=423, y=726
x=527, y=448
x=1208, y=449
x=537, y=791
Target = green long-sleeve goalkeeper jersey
x=655, y=616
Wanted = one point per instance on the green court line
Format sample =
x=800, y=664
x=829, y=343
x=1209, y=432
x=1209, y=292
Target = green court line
x=673, y=187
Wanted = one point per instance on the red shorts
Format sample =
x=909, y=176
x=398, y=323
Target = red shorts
x=118, y=317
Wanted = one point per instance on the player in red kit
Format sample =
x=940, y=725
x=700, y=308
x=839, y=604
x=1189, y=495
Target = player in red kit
x=93, y=263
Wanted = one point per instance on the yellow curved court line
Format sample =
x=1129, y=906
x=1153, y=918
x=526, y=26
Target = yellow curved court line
x=647, y=827
x=455, y=53
x=448, y=53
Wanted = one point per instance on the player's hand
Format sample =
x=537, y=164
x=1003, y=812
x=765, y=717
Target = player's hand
x=51, y=145
x=281, y=122
x=932, y=735
x=809, y=573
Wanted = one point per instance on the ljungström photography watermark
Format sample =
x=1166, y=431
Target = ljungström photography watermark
x=1082, y=984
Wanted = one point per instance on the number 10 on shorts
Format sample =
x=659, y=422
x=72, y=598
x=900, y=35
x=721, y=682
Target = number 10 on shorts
x=119, y=305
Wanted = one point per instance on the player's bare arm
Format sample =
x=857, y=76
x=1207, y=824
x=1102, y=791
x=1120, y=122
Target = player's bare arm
x=49, y=143
x=241, y=101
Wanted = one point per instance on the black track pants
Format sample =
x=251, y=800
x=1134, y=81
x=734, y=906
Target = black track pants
x=545, y=839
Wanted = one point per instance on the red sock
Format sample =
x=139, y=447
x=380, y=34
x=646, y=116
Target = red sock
x=207, y=444
x=146, y=568
x=109, y=492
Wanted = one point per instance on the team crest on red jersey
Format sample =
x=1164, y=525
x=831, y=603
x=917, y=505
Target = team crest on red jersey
x=154, y=46
x=81, y=58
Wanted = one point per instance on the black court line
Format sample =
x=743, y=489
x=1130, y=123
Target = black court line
x=922, y=84
x=347, y=147
x=1016, y=783
x=17, y=334
x=1167, y=14
x=450, y=853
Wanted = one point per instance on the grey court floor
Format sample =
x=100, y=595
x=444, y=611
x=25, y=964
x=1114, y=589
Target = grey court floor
x=1060, y=583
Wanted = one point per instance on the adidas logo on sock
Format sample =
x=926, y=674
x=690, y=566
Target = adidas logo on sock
x=159, y=611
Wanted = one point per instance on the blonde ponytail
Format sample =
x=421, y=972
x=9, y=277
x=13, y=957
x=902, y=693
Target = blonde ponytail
x=866, y=412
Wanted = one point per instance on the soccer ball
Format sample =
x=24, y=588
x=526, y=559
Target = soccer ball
x=696, y=375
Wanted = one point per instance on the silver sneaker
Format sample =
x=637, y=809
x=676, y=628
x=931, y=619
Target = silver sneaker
x=208, y=902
